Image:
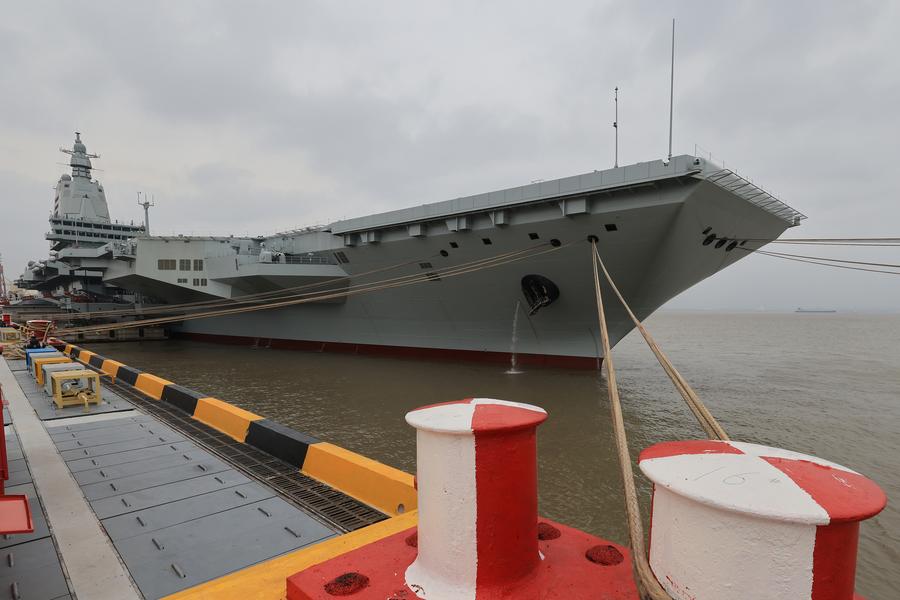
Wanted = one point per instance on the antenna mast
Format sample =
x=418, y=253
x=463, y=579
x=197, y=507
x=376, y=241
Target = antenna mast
x=616, y=127
x=671, y=88
x=4, y=293
x=146, y=204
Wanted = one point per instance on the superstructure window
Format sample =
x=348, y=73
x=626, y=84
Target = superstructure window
x=486, y=241
x=533, y=236
x=165, y=264
x=611, y=227
x=202, y=282
x=198, y=264
x=454, y=245
x=184, y=264
x=196, y=281
x=425, y=265
x=182, y=280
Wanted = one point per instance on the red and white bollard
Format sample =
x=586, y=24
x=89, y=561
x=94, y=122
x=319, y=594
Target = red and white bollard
x=478, y=537
x=477, y=480
x=734, y=521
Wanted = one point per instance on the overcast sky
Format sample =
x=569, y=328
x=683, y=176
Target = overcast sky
x=253, y=117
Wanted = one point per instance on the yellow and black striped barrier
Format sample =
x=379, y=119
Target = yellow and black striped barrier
x=383, y=487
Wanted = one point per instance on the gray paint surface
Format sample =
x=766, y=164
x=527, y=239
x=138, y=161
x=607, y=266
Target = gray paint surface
x=178, y=515
x=92, y=564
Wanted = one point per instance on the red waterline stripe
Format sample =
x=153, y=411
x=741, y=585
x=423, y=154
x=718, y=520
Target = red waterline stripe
x=539, y=360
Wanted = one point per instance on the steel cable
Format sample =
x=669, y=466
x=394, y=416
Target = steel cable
x=402, y=281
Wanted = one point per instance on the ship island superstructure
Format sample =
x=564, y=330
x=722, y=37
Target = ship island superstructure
x=661, y=227
x=80, y=226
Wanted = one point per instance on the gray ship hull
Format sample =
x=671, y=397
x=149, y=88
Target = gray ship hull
x=651, y=240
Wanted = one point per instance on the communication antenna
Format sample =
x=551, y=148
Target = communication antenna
x=616, y=127
x=3, y=291
x=671, y=89
x=147, y=203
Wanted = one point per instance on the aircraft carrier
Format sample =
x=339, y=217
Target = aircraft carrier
x=661, y=226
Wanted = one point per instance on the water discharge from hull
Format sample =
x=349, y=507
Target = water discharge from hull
x=513, y=363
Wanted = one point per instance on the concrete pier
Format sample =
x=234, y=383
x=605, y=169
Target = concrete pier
x=128, y=506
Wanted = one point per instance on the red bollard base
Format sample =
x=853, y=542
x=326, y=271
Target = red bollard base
x=575, y=566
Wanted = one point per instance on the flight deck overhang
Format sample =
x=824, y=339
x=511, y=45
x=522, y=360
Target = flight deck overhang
x=639, y=174
x=572, y=194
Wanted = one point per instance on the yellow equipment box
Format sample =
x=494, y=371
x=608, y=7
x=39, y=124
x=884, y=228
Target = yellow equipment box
x=38, y=365
x=75, y=388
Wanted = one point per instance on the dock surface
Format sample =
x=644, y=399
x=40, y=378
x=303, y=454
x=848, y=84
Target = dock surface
x=130, y=502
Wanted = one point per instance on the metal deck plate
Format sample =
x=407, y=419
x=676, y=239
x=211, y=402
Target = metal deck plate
x=177, y=514
x=160, y=477
x=162, y=494
x=123, y=431
x=182, y=511
x=176, y=557
x=16, y=364
x=55, y=428
x=84, y=464
x=178, y=498
x=137, y=443
x=18, y=473
x=138, y=466
x=33, y=568
x=95, y=437
x=328, y=504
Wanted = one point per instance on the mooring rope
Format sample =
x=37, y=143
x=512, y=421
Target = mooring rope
x=402, y=281
x=821, y=262
x=281, y=294
x=646, y=580
x=702, y=414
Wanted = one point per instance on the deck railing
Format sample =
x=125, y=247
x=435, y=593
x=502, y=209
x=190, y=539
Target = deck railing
x=752, y=193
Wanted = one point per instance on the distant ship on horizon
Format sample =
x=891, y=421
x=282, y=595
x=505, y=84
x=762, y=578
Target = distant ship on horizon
x=816, y=310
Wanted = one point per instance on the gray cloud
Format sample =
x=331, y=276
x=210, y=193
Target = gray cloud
x=256, y=117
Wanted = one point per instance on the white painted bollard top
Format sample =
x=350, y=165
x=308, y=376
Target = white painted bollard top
x=740, y=521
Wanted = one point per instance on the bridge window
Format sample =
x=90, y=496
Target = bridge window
x=165, y=264
x=198, y=264
x=184, y=264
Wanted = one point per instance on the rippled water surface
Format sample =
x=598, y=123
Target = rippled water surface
x=825, y=384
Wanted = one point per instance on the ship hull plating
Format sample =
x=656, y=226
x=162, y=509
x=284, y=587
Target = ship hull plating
x=652, y=244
